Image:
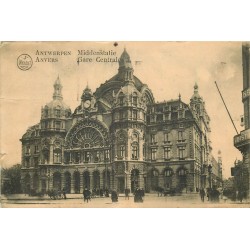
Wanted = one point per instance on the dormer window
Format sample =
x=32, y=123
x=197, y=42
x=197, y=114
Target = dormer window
x=58, y=112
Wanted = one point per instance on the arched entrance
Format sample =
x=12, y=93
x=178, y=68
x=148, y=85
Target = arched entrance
x=76, y=182
x=167, y=175
x=154, y=178
x=96, y=179
x=35, y=182
x=134, y=179
x=86, y=180
x=27, y=180
x=106, y=179
x=57, y=184
x=182, y=179
x=67, y=185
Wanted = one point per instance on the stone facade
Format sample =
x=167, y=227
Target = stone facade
x=242, y=140
x=117, y=138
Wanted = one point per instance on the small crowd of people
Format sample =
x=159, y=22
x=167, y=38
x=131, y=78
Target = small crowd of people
x=139, y=193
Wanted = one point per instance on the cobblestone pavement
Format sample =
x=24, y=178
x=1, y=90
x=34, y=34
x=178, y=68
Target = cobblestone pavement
x=150, y=201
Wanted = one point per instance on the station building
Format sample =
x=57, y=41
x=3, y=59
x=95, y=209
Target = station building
x=120, y=137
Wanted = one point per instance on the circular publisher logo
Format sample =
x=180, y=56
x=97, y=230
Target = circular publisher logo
x=24, y=62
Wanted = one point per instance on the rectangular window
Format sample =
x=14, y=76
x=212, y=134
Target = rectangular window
x=153, y=154
x=122, y=151
x=134, y=114
x=58, y=125
x=87, y=156
x=153, y=138
x=57, y=157
x=134, y=152
x=181, y=151
x=107, y=154
x=27, y=150
x=36, y=149
x=167, y=153
x=180, y=136
x=36, y=161
x=166, y=138
x=181, y=114
x=135, y=100
x=97, y=159
x=27, y=162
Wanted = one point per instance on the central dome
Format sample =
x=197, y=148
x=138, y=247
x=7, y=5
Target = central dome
x=125, y=74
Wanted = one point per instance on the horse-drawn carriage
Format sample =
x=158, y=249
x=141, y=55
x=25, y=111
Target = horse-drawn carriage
x=54, y=194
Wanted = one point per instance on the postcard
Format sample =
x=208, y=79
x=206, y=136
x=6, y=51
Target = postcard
x=125, y=124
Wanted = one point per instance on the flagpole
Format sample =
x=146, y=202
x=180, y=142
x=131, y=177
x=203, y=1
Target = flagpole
x=226, y=107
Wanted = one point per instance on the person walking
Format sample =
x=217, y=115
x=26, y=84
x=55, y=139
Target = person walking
x=64, y=193
x=202, y=194
x=127, y=191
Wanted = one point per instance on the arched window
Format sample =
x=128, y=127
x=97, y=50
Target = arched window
x=45, y=156
x=135, y=152
x=58, y=111
x=57, y=183
x=154, y=179
x=168, y=173
x=57, y=156
x=121, y=99
x=182, y=172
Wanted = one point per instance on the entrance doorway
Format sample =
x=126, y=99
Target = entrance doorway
x=134, y=179
x=121, y=184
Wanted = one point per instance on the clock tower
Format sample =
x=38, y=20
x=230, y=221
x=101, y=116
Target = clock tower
x=86, y=98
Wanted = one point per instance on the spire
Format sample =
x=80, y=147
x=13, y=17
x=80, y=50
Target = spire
x=196, y=88
x=125, y=67
x=124, y=61
x=57, y=89
x=196, y=94
x=179, y=96
x=87, y=93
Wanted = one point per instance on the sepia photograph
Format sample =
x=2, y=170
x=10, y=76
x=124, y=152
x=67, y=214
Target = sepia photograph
x=125, y=124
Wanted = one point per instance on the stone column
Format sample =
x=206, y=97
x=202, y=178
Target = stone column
x=62, y=155
x=51, y=154
x=129, y=181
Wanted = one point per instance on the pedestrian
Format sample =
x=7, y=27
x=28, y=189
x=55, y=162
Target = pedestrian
x=86, y=195
x=202, y=194
x=64, y=193
x=127, y=191
x=114, y=196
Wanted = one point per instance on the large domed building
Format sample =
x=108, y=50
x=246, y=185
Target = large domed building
x=117, y=138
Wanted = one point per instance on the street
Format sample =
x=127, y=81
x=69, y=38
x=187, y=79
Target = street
x=150, y=201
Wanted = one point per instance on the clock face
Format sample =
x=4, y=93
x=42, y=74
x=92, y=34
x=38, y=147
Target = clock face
x=86, y=104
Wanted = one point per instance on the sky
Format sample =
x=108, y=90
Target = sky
x=168, y=68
